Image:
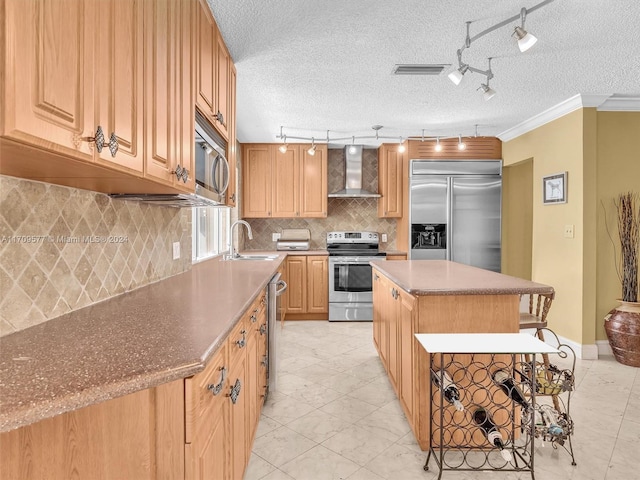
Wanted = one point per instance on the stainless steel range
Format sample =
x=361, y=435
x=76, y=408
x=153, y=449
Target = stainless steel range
x=350, y=282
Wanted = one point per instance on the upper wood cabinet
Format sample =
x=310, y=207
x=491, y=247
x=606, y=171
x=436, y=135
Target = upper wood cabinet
x=213, y=72
x=124, y=67
x=284, y=185
x=232, y=153
x=390, y=177
x=168, y=94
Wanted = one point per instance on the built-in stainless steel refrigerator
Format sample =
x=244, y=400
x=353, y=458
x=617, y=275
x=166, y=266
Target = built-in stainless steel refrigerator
x=455, y=211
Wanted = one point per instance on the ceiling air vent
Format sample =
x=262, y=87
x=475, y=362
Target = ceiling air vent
x=424, y=69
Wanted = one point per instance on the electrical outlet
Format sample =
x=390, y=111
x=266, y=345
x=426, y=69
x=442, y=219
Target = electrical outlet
x=384, y=238
x=275, y=237
x=176, y=250
x=568, y=231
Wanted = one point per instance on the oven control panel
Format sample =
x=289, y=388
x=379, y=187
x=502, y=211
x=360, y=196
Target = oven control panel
x=352, y=237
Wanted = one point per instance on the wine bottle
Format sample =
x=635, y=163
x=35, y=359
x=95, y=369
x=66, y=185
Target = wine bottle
x=508, y=386
x=482, y=418
x=449, y=390
x=550, y=419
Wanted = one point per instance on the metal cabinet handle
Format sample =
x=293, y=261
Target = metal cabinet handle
x=181, y=173
x=263, y=329
x=253, y=319
x=375, y=276
x=264, y=361
x=99, y=141
x=219, y=117
x=235, y=391
x=243, y=342
x=217, y=388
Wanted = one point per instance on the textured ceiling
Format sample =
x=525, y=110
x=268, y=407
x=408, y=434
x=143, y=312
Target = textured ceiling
x=318, y=65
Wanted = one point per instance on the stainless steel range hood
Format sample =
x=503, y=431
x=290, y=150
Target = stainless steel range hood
x=353, y=175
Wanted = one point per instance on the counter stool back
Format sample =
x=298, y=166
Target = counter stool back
x=536, y=317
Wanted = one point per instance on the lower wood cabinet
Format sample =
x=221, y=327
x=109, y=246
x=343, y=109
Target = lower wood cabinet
x=200, y=427
x=307, y=295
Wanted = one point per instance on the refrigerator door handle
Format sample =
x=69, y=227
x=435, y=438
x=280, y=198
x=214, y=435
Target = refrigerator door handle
x=449, y=227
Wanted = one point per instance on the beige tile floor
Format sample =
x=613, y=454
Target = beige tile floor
x=335, y=416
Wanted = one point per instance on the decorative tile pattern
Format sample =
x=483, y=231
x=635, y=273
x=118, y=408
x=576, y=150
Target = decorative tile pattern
x=343, y=213
x=62, y=249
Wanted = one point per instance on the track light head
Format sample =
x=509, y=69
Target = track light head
x=401, y=147
x=312, y=148
x=438, y=147
x=456, y=75
x=487, y=92
x=525, y=39
x=284, y=146
x=461, y=145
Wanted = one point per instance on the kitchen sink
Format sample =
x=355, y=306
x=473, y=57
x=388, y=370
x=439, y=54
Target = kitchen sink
x=254, y=257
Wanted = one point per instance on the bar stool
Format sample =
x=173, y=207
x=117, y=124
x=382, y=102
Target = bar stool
x=536, y=317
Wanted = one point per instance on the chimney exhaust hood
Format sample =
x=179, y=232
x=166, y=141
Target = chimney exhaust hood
x=353, y=175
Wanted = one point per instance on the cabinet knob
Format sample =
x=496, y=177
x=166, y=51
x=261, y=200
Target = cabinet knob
x=217, y=388
x=99, y=141
x=241, y=343
x=263, y=329
x=181, y=173
x=253, y=319
x=235, y=391
x=233, y=197
x=220, y=118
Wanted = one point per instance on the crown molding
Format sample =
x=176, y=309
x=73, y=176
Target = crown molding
x=563, y=108
x=621, y=103
x=603, y=103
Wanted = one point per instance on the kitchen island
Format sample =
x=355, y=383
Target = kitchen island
x=436, y=296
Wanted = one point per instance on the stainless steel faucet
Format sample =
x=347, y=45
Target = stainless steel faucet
x=233, y=253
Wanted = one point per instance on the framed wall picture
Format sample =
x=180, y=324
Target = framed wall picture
x=554, y=188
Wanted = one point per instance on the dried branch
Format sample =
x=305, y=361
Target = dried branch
x=629, y=233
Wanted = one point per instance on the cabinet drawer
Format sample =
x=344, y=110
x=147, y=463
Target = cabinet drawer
x=206, y=391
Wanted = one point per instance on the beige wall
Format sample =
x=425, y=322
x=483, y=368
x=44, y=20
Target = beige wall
x=618, y=171
x=62, y=249
x=517, y=219
x=600, y=152
x=556, y=260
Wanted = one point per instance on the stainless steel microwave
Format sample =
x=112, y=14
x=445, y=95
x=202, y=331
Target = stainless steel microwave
x=211, y=166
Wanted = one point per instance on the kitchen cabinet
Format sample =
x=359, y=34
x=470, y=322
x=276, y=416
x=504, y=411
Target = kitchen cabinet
x=207, y=421
x=390, y=178
x=386, y=325
x=72, y=67
x=296, y=188
x=406, y=353
x=215, y=83
x=307, y=295
x=169, y=115
x=232, y=147
x=197, y=428
x=313, y=183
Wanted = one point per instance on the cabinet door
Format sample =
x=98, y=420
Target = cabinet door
x=221, y=114
x=206, y=48
x=393, y=312
x=377, y=310
x=317, y=284
x=406, y=342
x=119, y=80
x=231, y=149
x=238, y=410
x=285, y=182
x=160, y=96
x=48, y=97
x=184, y=92
x=296, y=284
x=253, y=381
x=313, y=182
x=207, y=433
x=256, y=181
x=390, y=172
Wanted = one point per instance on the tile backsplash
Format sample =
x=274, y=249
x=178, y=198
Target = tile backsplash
x=62, y=249
x=342, y=214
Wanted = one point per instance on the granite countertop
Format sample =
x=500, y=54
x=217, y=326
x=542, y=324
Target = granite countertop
x=149, y=336
x=442, y=277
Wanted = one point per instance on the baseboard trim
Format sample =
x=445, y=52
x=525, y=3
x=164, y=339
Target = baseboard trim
x=603, y=347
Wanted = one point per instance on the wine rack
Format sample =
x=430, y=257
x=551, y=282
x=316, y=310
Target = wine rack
x=511, y=394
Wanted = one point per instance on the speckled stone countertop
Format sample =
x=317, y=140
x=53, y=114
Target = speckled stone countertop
x=441, y=277
x=141, y=339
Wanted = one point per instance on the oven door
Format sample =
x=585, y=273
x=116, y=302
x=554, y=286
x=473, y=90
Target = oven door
x=350, y=279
